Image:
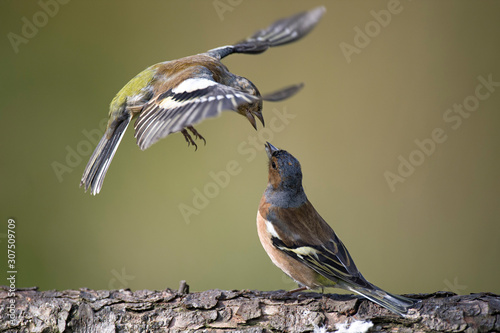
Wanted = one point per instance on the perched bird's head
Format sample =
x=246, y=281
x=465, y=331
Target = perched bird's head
x=285, y=173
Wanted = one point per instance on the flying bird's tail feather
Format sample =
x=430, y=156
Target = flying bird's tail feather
x=99, y=162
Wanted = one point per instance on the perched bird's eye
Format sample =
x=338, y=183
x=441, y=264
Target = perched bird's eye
x=273, y=165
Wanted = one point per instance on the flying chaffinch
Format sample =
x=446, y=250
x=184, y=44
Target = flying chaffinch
x=173, y=96
x=302, y=244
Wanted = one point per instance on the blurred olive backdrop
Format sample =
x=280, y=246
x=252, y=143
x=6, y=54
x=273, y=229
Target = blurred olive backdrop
x=361, y=109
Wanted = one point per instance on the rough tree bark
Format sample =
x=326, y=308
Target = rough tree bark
x=167, y=310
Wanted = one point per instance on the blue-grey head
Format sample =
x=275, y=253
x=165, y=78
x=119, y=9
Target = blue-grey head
x=285, y=178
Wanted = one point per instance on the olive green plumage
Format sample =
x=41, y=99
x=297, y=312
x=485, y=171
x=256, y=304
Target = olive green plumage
x=173, y=96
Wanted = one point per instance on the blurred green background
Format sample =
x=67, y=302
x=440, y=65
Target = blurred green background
x=360, y=110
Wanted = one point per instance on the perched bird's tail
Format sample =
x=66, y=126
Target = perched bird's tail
x=281, y=32
x=98, y=165
x=395, y=303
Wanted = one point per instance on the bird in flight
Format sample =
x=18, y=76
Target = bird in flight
x=173, y=96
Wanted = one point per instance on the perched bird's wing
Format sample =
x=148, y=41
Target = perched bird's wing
x=281, y=32
x=189, y=103
x=329, y=259
x=332, y=260
x=323, y=252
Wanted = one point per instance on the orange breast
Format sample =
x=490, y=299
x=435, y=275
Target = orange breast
x=293, y=268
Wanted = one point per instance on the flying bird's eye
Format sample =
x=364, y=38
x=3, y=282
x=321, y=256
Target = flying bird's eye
x=273, y=165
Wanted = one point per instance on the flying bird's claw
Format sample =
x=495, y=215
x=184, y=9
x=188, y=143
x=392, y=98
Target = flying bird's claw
x=197, y=135
x=189, y=139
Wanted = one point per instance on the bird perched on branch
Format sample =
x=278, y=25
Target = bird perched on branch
x=302, y=244
x=173, y=96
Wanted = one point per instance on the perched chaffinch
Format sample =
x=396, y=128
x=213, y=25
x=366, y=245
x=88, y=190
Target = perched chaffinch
x=302, y=244
x=173, y=96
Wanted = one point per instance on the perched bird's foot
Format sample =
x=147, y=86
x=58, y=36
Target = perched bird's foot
x=189, y=139
x=196, y=134
x=296, y=290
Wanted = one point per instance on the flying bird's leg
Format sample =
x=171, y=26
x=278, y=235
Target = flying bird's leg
x=196, y=134
x=189, y=139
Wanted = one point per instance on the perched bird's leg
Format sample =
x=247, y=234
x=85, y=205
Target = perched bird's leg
x=196, y=134
x=296, y=290
x=189, y=139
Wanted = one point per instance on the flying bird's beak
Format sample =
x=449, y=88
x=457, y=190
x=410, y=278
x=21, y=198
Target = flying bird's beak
x=270, y=149
x=261, y=117
x=251, y=119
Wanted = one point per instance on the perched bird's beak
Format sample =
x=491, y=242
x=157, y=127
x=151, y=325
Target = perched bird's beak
x=270, y=149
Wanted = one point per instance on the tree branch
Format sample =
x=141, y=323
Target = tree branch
x=167, y=310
